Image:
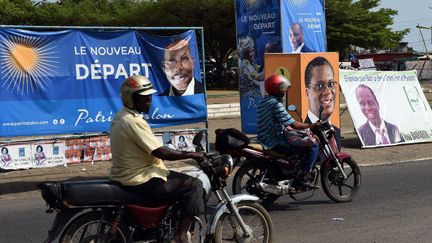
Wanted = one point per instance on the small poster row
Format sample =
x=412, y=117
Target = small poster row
x=55, y=152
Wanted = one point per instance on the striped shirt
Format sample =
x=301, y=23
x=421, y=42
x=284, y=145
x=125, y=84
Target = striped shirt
x=272, y=118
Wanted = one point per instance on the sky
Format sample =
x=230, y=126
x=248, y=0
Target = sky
x=411, y=13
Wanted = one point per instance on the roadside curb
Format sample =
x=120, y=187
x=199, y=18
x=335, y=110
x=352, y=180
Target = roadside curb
x=231, y=110
x=394, y=162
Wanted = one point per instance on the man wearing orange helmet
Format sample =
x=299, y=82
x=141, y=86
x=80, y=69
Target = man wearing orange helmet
x=137, y=157
x=274, y=120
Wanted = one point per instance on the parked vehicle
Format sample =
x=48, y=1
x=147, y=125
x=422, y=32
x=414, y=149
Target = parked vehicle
x=269, y=175
x=101, y=211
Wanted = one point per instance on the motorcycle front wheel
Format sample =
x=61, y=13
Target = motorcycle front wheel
x=90, y=227
x=256, y=219
x=335, y=186
x=248, y=176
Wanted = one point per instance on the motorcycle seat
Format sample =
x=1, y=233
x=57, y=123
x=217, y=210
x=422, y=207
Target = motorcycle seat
x=102, y=192
x=259, y=147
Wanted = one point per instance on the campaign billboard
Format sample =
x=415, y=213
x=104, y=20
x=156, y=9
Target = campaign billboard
x=304, y=26
x=258, y=31
x=272, y=26
x=387, y=108
x=68, y=81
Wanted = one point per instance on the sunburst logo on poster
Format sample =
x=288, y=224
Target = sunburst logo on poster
x=298, y=3
x=252, y=3
x=27, y=63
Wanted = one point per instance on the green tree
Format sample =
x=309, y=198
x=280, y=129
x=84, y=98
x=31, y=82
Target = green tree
x=88, y=12
x=349, y=23
x=16, y=12
x=217, y=17
x=356, y=23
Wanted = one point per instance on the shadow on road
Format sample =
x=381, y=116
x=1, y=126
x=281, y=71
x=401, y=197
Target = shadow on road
x=351, y=142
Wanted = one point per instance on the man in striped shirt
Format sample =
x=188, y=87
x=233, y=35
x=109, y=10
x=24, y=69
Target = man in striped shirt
x=273, y=119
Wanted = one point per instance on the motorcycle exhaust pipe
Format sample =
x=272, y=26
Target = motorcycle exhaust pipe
x=282, y=188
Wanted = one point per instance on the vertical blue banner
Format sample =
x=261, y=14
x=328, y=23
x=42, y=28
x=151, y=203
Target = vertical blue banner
x=258, y=30
x=55, y=82
x=303, y=28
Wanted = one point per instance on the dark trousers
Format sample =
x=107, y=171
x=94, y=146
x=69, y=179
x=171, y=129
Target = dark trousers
x=187, y=190
x=310, y=153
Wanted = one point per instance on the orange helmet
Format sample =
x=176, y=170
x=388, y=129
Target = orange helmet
x=277, y=85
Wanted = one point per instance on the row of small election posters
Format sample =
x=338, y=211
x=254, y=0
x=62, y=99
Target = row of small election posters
x=87, y=149
x=51, y=153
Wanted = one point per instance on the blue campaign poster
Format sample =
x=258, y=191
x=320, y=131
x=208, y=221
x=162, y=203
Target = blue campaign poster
x=273, y=26
x=57, y=82
x=258, y=31
x=303, y=28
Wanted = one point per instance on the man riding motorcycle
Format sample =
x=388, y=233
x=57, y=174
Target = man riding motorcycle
x=274, y=122
x=137, y=157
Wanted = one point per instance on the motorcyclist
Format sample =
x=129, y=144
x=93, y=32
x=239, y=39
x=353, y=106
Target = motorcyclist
x=137, y=157
x=274, y=121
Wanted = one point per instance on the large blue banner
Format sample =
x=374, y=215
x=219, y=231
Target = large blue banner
x=68, y=81
x=273, y=26
x=303, y=28
x=258, y=31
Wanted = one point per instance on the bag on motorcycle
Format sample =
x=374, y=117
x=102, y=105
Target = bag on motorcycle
x=299, y=138
x=230, y=138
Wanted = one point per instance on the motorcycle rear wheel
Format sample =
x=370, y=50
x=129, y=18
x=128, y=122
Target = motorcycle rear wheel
x=246, y=181
x=84, y=229
x=335, y=186
x=256, y=218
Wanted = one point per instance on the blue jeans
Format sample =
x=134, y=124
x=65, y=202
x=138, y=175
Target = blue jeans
x=310, y=153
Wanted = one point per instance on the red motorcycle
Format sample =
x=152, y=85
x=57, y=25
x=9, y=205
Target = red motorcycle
x=269, y=175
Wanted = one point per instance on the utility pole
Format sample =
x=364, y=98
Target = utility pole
x=421, y=33
x=424, y=42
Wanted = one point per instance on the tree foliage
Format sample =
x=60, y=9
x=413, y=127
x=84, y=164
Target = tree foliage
x=355, y=23
x=349, y=23
x=16, y=11
x=217, y=17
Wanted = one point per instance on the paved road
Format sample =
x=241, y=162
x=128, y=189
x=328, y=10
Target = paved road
x=394, y=205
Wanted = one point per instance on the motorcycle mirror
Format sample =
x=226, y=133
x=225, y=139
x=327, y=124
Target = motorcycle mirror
x=292, y=107
x=198, y=138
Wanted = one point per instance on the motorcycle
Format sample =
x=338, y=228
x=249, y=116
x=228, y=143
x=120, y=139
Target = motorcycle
x=102, y=211
x=270, y=175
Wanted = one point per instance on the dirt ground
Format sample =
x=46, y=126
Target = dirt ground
x=222, y=96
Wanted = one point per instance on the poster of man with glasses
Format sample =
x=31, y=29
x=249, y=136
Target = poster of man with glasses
x=321, y=88
x=314, y=84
